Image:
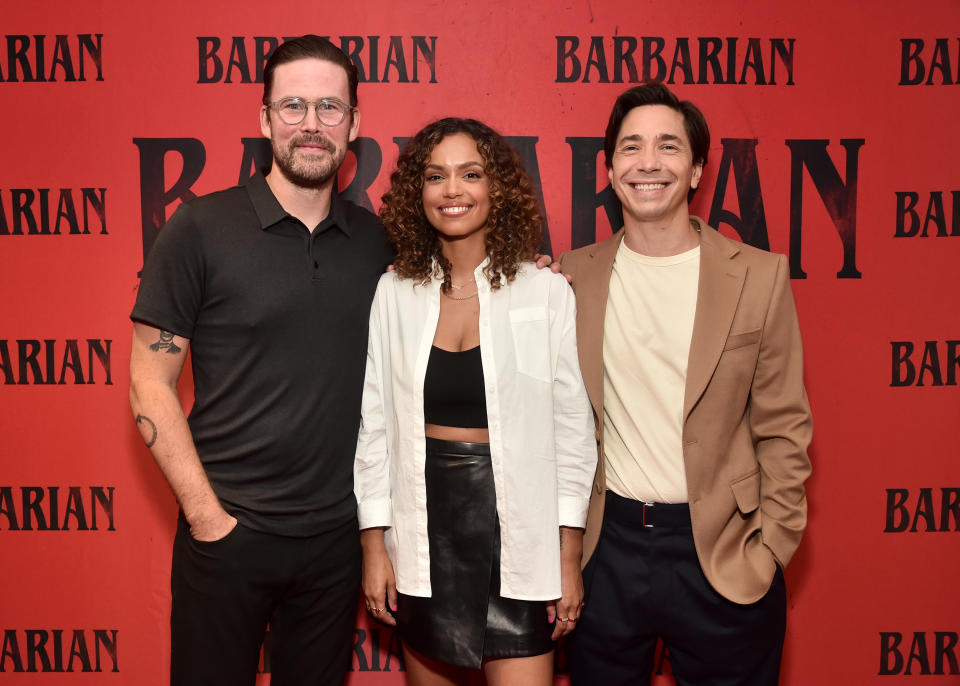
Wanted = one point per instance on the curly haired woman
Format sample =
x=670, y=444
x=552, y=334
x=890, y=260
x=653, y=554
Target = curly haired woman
x=476, y=452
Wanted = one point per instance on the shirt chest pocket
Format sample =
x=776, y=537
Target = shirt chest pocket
x=529, y=328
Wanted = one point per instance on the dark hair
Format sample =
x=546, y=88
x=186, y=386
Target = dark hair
x=694, y=122
x=513, y=224
x=306, y=47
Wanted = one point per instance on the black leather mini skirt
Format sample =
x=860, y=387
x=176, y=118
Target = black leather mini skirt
x=466, y=620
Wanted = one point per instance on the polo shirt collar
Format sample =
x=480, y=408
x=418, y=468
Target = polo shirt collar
x=269, y=211
x=337, y=216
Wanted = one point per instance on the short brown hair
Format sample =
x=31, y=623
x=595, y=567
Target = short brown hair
x=694, y=123
x=307, y=47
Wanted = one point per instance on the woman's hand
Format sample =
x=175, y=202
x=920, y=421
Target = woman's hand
x=379, y=582
x=566, y=610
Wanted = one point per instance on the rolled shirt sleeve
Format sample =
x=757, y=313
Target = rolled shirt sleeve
x=575, y=442
x=371, y=467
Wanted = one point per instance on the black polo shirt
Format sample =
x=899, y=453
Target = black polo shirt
x=277, y=320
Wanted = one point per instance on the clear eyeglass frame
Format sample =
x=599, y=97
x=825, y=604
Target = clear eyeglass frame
x=330, y=111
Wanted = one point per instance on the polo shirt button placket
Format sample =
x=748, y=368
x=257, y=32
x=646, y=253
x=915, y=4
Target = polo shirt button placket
x=313, y=260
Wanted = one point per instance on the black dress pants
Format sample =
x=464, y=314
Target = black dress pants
x=644, y=583
x=226, y=592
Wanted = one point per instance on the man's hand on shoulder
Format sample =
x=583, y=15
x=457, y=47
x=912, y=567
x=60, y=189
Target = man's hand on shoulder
x=544, y=261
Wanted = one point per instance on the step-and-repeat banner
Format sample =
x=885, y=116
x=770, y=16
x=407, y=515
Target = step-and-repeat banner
x=835, y=141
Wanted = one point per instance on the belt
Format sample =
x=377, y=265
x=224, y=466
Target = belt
x=647, y=515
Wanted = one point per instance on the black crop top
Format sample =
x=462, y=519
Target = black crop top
x=453, y=393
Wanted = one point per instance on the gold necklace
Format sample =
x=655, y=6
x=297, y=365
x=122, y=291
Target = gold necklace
x=466, y=297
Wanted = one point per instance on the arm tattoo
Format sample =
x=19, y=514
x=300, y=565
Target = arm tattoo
x=146, y=422
x=165, y=341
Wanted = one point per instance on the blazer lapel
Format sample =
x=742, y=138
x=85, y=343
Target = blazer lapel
x=592, y=286
x=718, y=294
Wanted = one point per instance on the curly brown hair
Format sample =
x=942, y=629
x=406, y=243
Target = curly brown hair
x=513, y=224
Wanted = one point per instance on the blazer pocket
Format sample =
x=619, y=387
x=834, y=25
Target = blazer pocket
x=739, y=340
x=531, y=341
x=746, y=491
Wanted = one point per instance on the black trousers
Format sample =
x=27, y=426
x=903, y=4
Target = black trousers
x=226, y=592
x=644, y=583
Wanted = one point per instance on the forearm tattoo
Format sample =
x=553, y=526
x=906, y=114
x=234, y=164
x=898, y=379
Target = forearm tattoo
x=147, y=423
x=165, y=341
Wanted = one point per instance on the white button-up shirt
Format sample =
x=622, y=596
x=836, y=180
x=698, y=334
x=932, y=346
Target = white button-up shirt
x=542, y=442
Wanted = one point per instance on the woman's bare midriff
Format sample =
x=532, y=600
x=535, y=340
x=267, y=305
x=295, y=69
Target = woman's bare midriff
x=457, y=433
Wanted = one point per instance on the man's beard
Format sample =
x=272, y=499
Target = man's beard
x=307, y=174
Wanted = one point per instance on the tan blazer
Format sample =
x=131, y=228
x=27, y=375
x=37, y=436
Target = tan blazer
x=746, y=419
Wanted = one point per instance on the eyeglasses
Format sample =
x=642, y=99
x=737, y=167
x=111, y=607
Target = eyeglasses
x=330, y=111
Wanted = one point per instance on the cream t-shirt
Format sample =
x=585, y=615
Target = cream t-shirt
x=646, y=344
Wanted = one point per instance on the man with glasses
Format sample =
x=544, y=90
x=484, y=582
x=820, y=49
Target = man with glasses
x=269, y=286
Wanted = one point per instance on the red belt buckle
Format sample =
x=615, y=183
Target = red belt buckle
x=645, y=506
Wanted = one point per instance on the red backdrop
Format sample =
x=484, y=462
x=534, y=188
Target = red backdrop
x=833, y=131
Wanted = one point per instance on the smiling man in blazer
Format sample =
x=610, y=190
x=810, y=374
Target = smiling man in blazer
x=691, y=354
